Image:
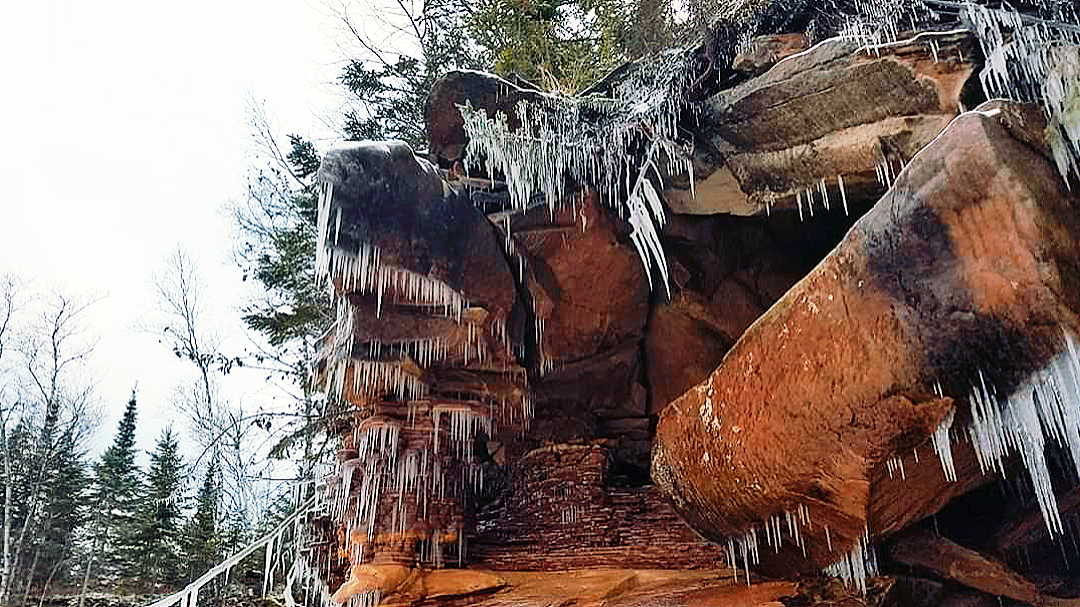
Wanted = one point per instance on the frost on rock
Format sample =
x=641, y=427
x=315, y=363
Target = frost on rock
x=607, y=143
x=1061, y=90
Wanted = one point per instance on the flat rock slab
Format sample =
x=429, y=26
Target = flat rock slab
x=830, y=123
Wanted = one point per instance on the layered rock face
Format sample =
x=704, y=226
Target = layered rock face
x=797, y=305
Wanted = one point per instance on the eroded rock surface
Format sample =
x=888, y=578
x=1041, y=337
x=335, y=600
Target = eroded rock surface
x=501, y=368
x=964, y=268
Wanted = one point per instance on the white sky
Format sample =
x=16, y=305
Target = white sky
x=122, y=135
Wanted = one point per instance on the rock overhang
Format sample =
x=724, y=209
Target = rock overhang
x=913, y=414
x=948, y=291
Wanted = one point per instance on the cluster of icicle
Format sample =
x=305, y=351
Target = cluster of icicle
x=417, y=473
x=364, y=272
x=1031, y=60
x=379, y=469
x=1045, y=407
x=790, y=526
x=1036, y=60
x=616, y=145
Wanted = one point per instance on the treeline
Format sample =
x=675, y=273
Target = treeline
x=104, y=525
x=71, y=523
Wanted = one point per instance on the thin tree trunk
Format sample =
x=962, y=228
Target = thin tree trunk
x=20, y=545
x=30, y=573
x=52, y=573
x=8, y=482
x=46, y=528
x=35, y=493
x=94, y=548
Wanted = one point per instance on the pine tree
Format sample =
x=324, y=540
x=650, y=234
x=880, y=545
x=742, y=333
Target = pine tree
x=155, y=545
x=117, y=485
x=65, y=511
x=278, y=226
x=202, y=541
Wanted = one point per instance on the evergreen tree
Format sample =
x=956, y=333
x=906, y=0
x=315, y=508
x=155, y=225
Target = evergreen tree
x=561, y=45
x=65, y=511
x=202, y=542
x=117, y=485
x=63, y=488
x=154, y=549
x=391, y=85
x=278, y=250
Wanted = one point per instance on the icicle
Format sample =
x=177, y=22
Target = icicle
x=843, y=194
x=824, y=193
x=857, y=565
x=943, y=447
x=555, y=138
x=1047, y=404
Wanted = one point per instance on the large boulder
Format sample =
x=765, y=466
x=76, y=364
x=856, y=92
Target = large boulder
x=964, y=275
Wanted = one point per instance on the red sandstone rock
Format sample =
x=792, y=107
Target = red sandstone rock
x=919, y=548
x=767, y=51
x=832, y=111
x=975, y=241
x=589, y=289
x=488, y=91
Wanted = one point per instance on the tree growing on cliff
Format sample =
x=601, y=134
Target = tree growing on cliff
x=277, y=223
x=561, y=45
x=409, y=45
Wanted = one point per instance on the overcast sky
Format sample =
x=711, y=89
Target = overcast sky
x=123, y=136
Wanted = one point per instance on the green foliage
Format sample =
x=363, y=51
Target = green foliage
x=117, y=487
x=559, y=44
x=202, y=543
x=279, y=251
x=154, y=549
x=61, y=509
x=65, y=509
x=390, y=88
x=279, y=228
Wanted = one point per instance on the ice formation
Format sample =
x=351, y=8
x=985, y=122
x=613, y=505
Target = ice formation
x=464, y=422
x=1032, y=59
x=594, y=141
x=943, y=446
x=857, y=565
x=743, y=552
x=1045, y=406
x=365, y=272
